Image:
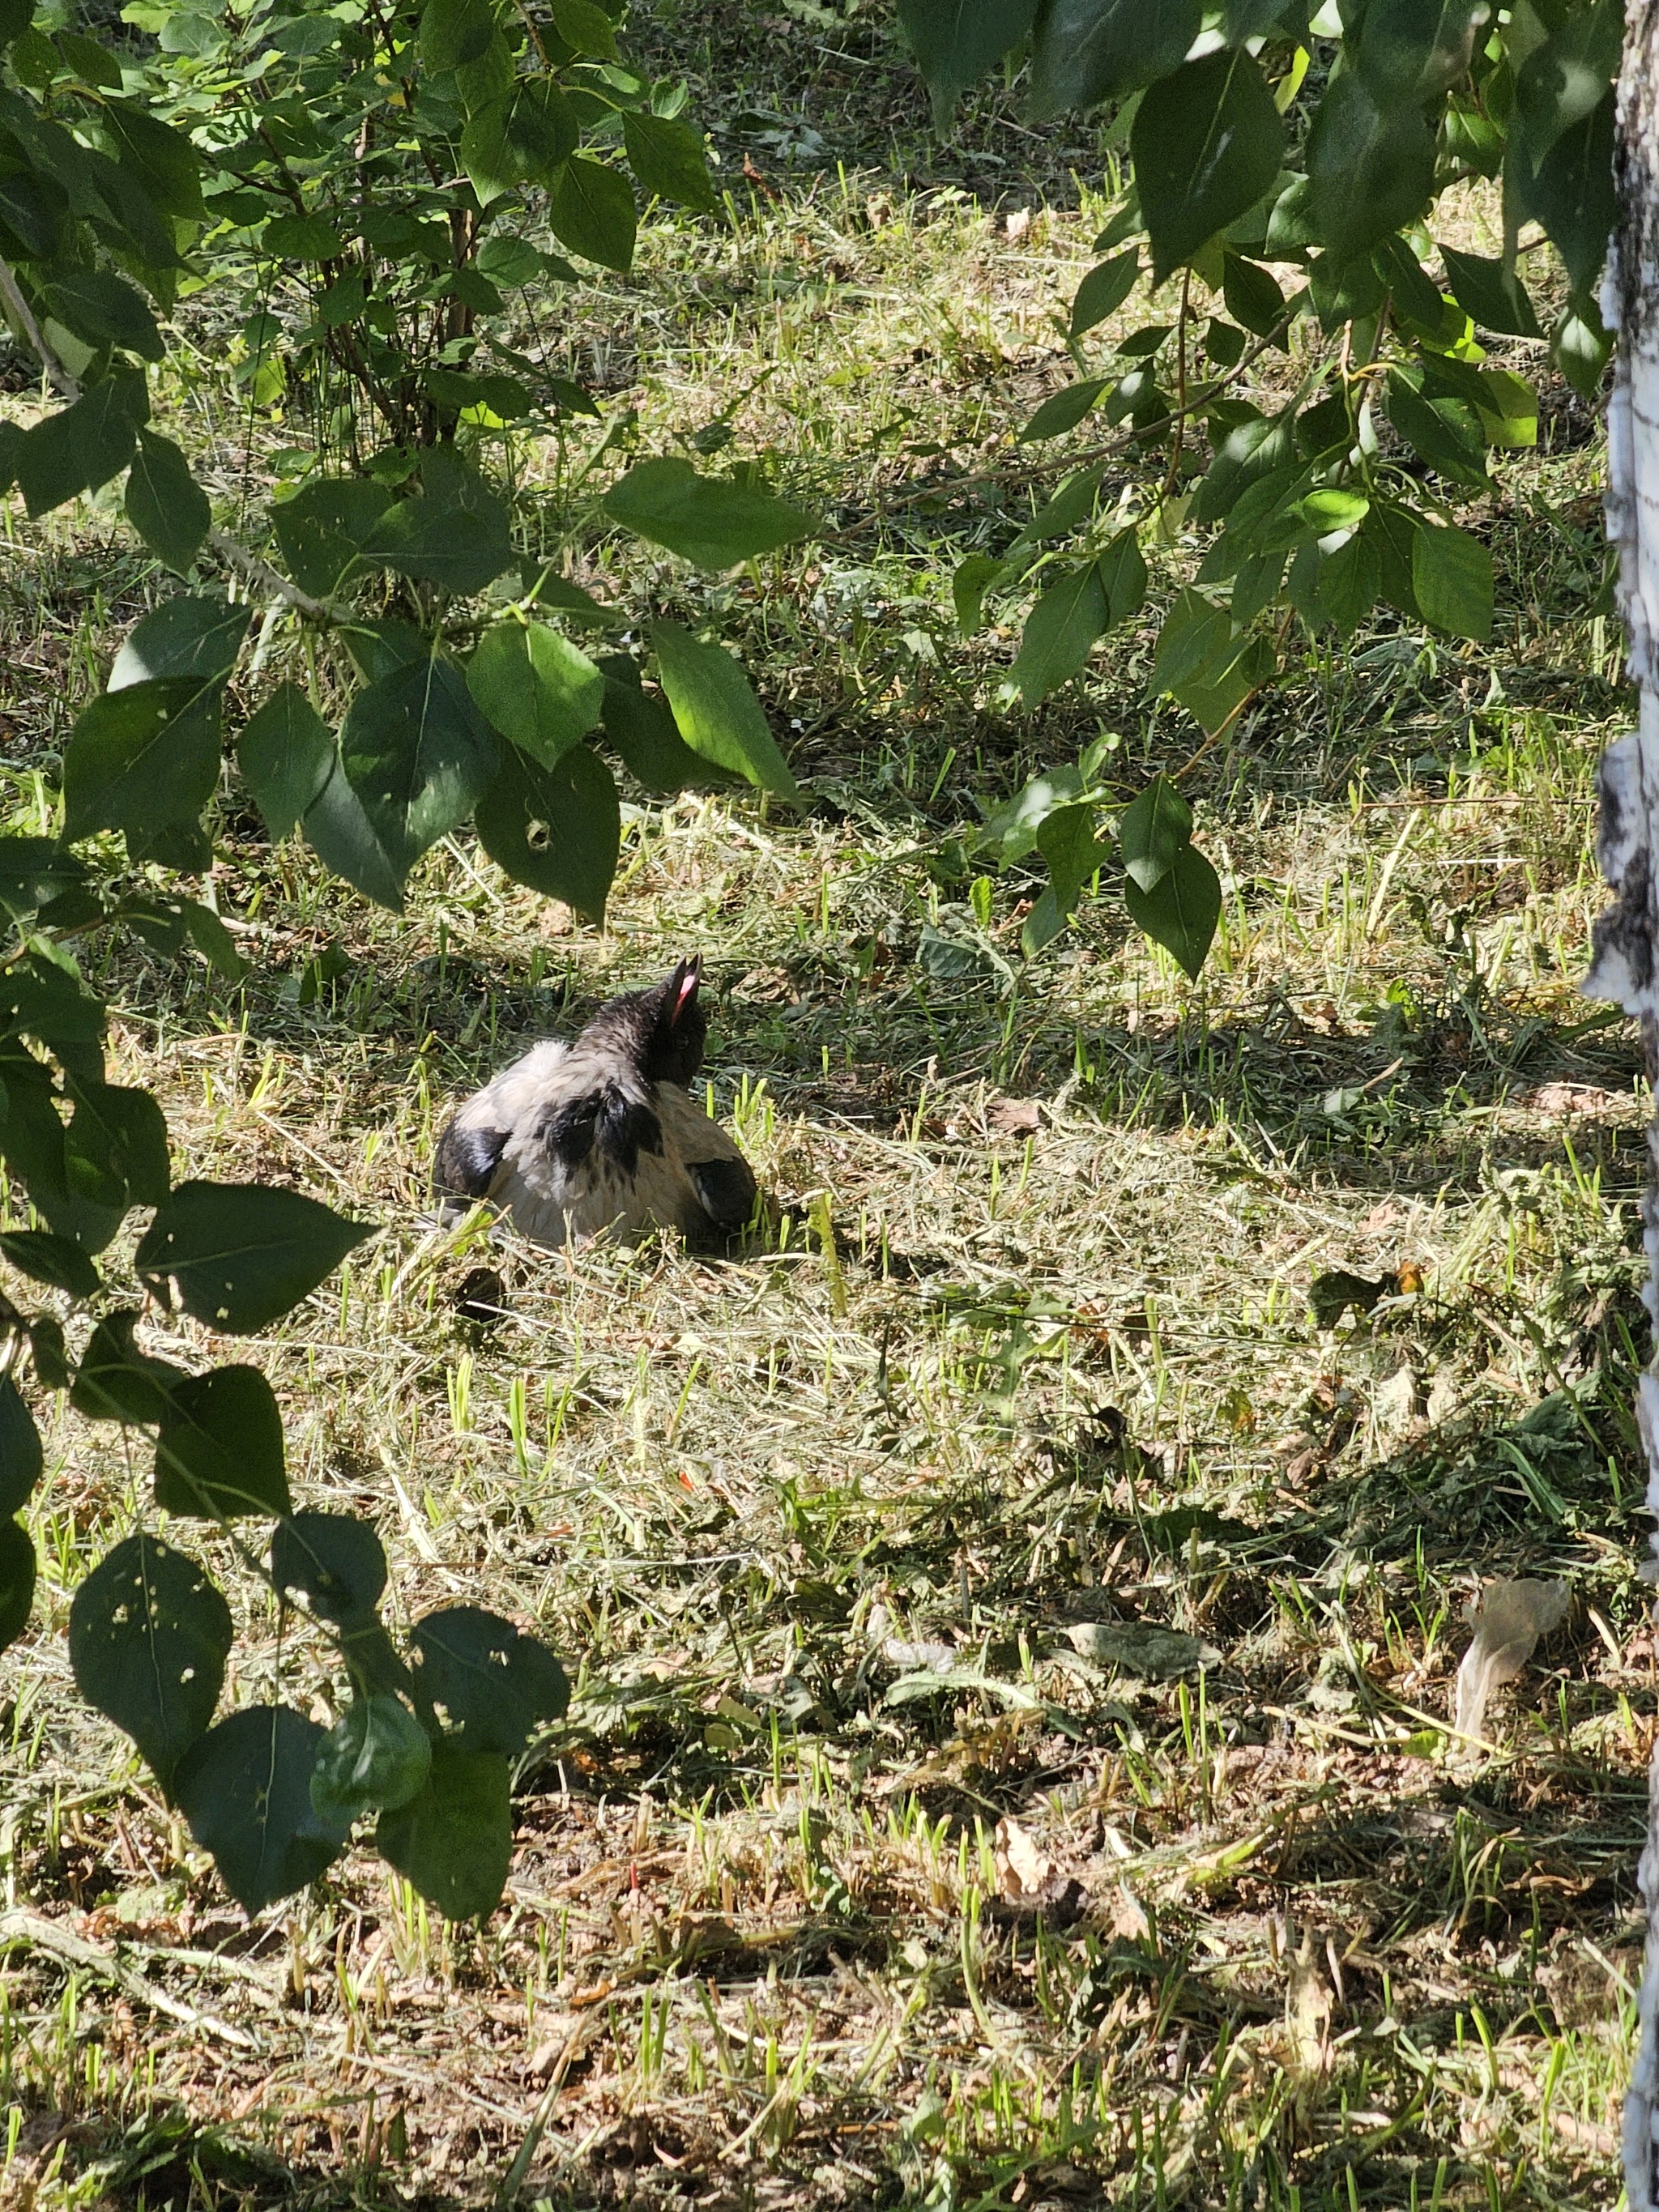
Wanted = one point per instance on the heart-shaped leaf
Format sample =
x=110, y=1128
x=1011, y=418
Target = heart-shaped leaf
x=242, y=1255
x=149, y=1638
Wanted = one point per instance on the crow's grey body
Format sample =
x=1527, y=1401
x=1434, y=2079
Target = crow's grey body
x=601, y=1134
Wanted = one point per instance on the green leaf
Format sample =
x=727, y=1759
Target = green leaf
x=161, y=157
x=455, y=32
x=334, y=1559
x=1414, y=295
x=17, y=1573
x=1444, y=433
x=1491, y=295
x=1193, y=644
x=323, y=529
x=103, y=309
x=139, y=757
x=190, y=634
x=1123, y=573
x=591, y=209
x=505, y=143
x=1060, y=632
x=1350, y=582
x=245, y=1788
x=1103, y=290
x=48, y=1001
x=955, y=41
x=1152, y=832
x=115, y=1149
x=453, y=1839
x=80, y=447
x=714, y=521
x=584, y=25
x=1580, y=348
x=454, y=534
x=286, y=755
x=1070, y=507
x=1451, y=576
x=34, y=871
x=1064, y=410
x=376, y=1757
x=301, y=238
x=1371, y=170
x=640, y=727
x=242, y=1255
x=667, y=157
x=116, y=1381
x=368, y=852
x=1066, y=840
x=213, y=940
x=45, y=1258
x=1088, y=51
x=220, y=1453
x=418, y=754
x=493, y=1685
x=971, y=581
x=1392, y=532
x=537, y=688
x=149, y=1636
x=1252, y=297
x=22, y=1456
x=1182, y=911
x=558, y=830
x=719, y=716
x=1248, y=453
x=165, y=504
x=1207, y=143
x=1410, y=52
x=1571, y=193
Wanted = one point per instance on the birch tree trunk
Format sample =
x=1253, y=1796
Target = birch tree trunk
x=1625, y=966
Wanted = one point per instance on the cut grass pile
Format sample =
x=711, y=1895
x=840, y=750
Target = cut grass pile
x=1009, y=1762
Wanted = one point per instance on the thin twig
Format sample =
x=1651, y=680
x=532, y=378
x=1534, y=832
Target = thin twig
x=252, y=565
x=31, y=1931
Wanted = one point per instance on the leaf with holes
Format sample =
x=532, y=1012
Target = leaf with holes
x=335, y=1560
x=245, y=1788
x=492, y=1684
x=148, y=1639
x=558, y=829
x=117, y=1382
x=242, y=1255
x=453, y=1840
x=219, y=1454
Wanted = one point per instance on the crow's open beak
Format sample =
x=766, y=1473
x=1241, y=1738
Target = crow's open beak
x=685, y=982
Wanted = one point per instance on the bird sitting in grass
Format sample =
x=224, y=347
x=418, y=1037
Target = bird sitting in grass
x=603, y=1134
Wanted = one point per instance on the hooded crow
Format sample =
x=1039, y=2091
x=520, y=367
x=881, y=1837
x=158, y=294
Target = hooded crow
x=576, y=1138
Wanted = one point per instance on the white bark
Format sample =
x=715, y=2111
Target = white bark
x=1625, y=966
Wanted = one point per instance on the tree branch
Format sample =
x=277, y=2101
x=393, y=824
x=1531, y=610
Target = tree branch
x=250, y=565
